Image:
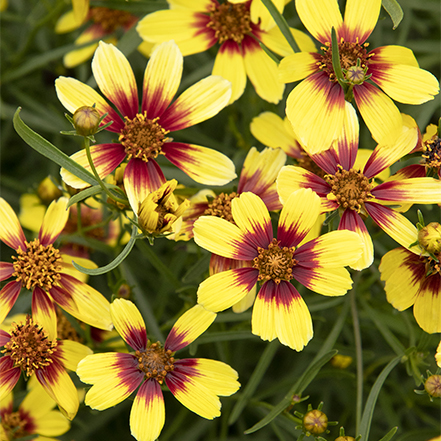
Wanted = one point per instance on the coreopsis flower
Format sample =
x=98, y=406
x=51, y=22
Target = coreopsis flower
x=412, y=273
x=197, y=26
x=34, y=416
x=279, y=310
x=42, y=268
x=159, y=212
x=34, y=350
x=143, y=132
x=352, y=190
x=104, y=23
x=316, y=106
x=197, y=383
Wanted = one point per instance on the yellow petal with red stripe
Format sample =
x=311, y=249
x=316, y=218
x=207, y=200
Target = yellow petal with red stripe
x=72, y=353
x=427, y=308
x=11, y=232
x=147, y=416
x=54, y=221
x=297, y=66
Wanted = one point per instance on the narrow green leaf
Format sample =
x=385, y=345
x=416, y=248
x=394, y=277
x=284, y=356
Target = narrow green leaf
x=255, y=379
x=372, y=398
x=109, y=267
x=48, y=150
x=212, y=337
x=84, y=194
x=300, y=385
x=393, y=8
x=282, y=24
x=336, y=57
x=390, y=338
x=269, y=53
x=389, y=434
x=133, y=7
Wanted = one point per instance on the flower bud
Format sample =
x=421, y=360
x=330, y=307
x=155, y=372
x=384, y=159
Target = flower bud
x=429, y=238
x=47, y=191
x=345, y=438
x=433, y=386
x=86, y=120
x=315, y=422
x=356, y=75
x=341, y=361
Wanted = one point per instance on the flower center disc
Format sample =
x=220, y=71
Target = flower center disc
x=14, y=425
x=350, y=188
x=39, y=265
x=432, y=154
x=109, y=19
x=230, y=21
x=29, y=347
x=156, y=362
x=349, y=54
x=221, y=207
x=275, y=263
x=142, y=138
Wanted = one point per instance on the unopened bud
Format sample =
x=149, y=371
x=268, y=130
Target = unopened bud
x=345, y=438
x=86, y=120
x=433, y=386
x=315, y=422
x=341, y=361
x=429, y=238
x=356, y=75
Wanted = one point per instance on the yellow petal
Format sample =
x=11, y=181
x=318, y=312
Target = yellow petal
x=66, y=23
x=407, y=84
x=276, y=42
x=222, y=290
x=297, y=66
x=262, y=72
x=393, y=55
x=427, y=308
x=52, y=424
x=147, y=416
x=319, y=16
x=360, y=19
x=189, y=327
x=31, y=212
x=72, y=353
x=11, y=232
x=246, y=302
x=325, y=281
x=54, y=221
x=129, y=323
x=401, y=284
x=229, y=64
x=159, y=89
x=115, y=78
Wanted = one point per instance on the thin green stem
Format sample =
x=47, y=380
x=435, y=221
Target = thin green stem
x=359, y=357
x=95, y=173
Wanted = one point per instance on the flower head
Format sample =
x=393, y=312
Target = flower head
x=195, y=382
x=34, y=416
x=144, y=132
x=353, y=191
x=42, y=268
x=412, y=274
x=29, y=348
x=236, y=27
x=279, y=310
x=316, y=107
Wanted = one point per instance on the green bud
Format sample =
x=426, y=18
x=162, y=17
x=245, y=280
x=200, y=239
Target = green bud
x=433, y=386
x=315, y=422
x=86, y=120
x=429, y=238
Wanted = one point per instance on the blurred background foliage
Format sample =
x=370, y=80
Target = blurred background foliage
x=164, y=278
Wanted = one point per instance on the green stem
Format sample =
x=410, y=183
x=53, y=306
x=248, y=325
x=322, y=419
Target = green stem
x=359, y=357
x=95, y=173
x=282, y=24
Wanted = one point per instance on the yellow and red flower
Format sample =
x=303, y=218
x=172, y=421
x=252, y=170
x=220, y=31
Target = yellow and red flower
x=413, y=272
x=353, y=191
x=197, y=383
x=197, y=26
x=34, y=416
x=143, y=133
x=105, y=22
x=316, y=106
x=34, y=350
x=279, y=310
x=48, y=273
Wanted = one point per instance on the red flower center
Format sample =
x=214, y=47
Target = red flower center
x=351, y=189
x=109, y=19
x=230, y=21
x=350, y=53
x=16, y=425
x=142, y=138
x=432, y=153
x=38, y=265
x=275, y=263
x=221, y=207
x=29, y=347
x=155, y=361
